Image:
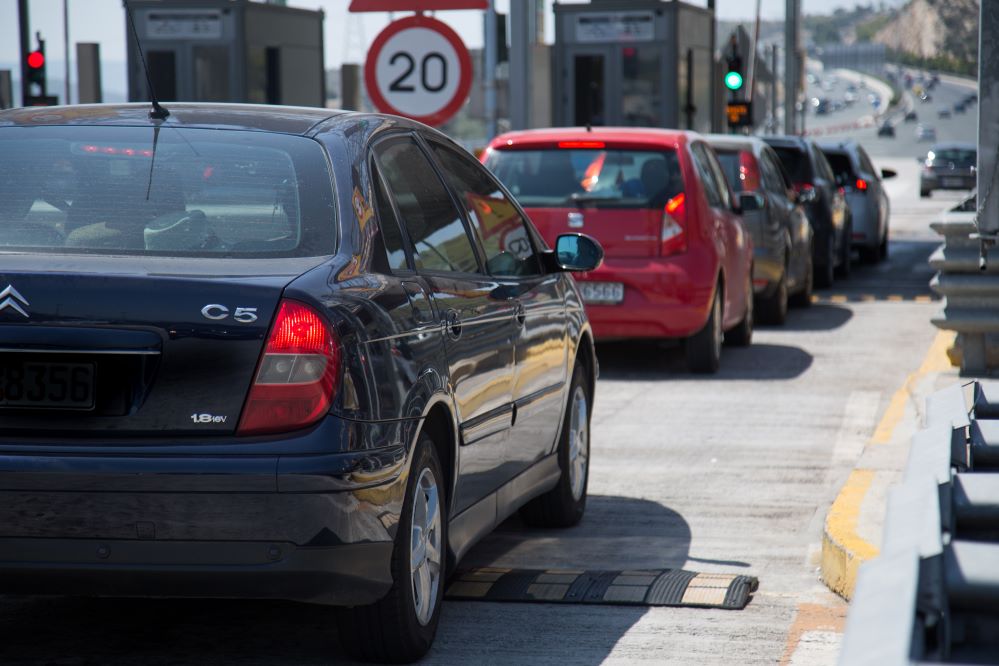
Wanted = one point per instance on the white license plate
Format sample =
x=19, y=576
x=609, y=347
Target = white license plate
x=952, y=182
x=601, y=292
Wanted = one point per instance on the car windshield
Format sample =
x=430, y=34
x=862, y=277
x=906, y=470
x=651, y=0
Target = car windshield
x=840, y=163
x=171, y=192
x=959, y=157
x=796, y=163
x=593, y=177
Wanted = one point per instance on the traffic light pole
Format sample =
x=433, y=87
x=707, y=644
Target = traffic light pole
x=25, y=33
x=791, y=74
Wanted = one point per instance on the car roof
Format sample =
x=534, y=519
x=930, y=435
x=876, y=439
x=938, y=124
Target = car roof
x=628, y=136
x=787, y=141
x=837, y=145
x=257, y=117
x=735, y=142
x=959, y=145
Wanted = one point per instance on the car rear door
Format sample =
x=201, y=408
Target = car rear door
x=510, y=250
x=476, y=315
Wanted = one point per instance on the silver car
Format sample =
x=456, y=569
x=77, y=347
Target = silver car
x=865, y=196
x=781, y=232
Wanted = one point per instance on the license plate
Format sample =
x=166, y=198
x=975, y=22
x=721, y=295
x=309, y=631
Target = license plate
x=31, y=384
x=953, y=182
x=601, y=292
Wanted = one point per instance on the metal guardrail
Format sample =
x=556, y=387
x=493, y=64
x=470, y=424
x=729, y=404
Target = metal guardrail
x=971, y=307
x=932, y=595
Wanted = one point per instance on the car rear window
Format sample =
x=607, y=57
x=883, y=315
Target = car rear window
x=959, y=157
x=741, y=170
x=841, y=166
x=168, y=192
x=608, y=178
x=796, y=163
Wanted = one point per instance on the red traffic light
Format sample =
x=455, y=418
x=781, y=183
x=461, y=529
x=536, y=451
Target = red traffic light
x=36, y=60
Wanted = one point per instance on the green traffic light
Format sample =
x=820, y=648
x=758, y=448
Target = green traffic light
x=733, y=80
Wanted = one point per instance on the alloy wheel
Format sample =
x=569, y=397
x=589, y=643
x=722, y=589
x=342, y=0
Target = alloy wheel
x=579, y=443
x=426, y=554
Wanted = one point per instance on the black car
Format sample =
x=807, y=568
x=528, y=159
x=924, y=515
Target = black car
x=948, y=166
x=825, y=204
x=887, y=130
x=271, y=352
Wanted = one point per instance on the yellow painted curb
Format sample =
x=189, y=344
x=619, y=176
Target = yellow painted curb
x=843, y=550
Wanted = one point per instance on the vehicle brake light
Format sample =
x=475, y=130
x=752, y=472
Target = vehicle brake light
x=749, y=174
x=581, y=144
x=297, y=375
x=674, y=235
x=861, y=185
x=803, y=187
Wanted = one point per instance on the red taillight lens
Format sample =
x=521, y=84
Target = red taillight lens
x=297, y=375
x=674, y=234
x=803, y=187
x=861, y=185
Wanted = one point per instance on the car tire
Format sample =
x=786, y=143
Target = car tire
x=704, y=347
x=803, y=298
x=845, y=253
x=883, y=248
x=870, y=255
x=400, y=627
x=564, y=505
x=742, y=334
x=773, y=309
x=825, y=271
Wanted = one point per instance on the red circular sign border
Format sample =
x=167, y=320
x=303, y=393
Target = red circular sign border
x=464, y=83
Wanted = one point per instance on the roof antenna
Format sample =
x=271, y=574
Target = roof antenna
x=157, y=112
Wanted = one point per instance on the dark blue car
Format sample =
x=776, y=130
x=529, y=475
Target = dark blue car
x=272, y=352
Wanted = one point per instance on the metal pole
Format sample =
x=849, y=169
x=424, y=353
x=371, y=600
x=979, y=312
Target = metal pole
x=772, y=128
x=489, y=64
x=988, y=118
x=752, y=55
x=790, y=65
x=25, y=33
x=520, y=63
x=713, y=88
x=65, y=44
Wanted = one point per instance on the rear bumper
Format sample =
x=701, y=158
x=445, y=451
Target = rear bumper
x=864, y=225
x=768, y=267
x=946, y=182
x=189, y=525
x=663, y=298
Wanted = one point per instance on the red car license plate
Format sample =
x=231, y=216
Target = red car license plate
x=31, y=384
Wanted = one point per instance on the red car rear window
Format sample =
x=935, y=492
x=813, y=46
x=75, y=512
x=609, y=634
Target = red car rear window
x=603, y=178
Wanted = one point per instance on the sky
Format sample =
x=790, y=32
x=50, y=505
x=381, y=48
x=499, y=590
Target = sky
x=347, y=36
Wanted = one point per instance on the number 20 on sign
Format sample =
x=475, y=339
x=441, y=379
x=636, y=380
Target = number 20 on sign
x=419, y=68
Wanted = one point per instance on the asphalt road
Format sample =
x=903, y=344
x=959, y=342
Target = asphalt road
x=730, y=473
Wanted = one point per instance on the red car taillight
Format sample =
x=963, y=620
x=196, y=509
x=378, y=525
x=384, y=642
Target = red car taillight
x=674, y=234
x=861, y=185
x=297, y=375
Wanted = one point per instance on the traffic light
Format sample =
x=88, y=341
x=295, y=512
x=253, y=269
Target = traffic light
x=36, y=70
x=733, y=73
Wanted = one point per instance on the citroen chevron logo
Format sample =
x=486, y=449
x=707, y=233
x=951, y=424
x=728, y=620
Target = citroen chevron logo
x=10, y=298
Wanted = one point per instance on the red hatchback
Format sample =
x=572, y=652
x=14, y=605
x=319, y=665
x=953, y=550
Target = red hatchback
x=678, y=259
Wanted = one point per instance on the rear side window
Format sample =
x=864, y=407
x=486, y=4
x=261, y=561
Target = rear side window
x=603, y=178
x=822, y=165
x=435, y=229
x=175, y=192
x=796, y=163
x=501, y=230
x=715, y=187
x=841, y=166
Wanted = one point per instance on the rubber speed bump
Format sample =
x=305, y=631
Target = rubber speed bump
x=658, y=587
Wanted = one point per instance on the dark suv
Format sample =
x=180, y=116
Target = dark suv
x=825, y=204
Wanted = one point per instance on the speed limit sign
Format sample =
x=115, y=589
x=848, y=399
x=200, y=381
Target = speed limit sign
x=419, y=68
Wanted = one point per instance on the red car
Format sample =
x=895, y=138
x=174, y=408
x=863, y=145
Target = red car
x=678, y=260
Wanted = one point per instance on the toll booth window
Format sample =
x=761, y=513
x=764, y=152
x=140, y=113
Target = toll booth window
x=595, y=178
x=640, y=91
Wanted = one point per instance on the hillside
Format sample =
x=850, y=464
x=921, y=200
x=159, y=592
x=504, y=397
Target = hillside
x=934, y=30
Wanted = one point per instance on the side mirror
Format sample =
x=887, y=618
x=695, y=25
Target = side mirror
x=888, y=173
x=751, y=201
x=577, y=252
x=806, y=195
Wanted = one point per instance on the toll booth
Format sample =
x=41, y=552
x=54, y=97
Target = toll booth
x=227, y=51
x=634, y=63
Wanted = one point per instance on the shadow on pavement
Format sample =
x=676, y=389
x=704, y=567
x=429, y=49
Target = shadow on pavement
x=818, y=317
x=649, y=362
x=617, y=533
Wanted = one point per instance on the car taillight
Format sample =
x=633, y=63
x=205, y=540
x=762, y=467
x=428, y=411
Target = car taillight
x=297, y=375
x=749, y=173
x=674, y=235
x=803, y=187
x=861, y=185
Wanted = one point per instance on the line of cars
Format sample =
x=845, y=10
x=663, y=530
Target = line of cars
x=702, y=234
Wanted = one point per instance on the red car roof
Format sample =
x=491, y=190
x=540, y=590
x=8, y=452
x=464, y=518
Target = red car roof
x=618, y=137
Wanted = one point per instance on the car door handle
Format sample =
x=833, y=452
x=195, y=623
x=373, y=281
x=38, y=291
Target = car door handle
x=452, y=324
x=520, y=315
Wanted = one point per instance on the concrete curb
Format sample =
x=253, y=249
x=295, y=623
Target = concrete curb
x=843, y=549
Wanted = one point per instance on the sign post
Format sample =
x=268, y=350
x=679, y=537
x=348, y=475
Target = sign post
x=419, y=68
